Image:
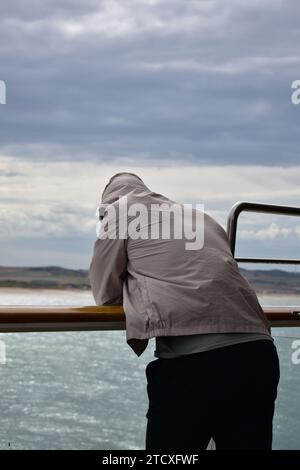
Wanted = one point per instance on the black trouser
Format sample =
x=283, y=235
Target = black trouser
x=227, y=394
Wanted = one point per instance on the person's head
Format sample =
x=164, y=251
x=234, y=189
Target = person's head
x=120, y=185
x=124, y=177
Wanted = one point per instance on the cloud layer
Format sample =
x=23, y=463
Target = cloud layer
x=204, y=82
x=195, y=96
x=47, y=209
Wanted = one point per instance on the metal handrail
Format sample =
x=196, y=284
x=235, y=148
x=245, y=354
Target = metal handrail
x=244, y=206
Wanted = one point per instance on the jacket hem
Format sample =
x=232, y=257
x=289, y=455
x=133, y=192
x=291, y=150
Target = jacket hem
x=182, y=331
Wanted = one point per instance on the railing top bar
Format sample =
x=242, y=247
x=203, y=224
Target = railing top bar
x=60, y=314
x=68, y=309
x=264, y=208
x=247, y=206
x=267, y=260
x=36, y=318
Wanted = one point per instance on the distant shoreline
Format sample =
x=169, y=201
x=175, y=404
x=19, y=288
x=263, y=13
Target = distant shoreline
x=44, y=289
x=56, y=278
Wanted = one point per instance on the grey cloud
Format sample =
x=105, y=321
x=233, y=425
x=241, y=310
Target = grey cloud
x=9, y=174
x=205, y=82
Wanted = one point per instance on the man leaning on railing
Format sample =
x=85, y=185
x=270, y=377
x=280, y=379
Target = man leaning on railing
x=216, y=370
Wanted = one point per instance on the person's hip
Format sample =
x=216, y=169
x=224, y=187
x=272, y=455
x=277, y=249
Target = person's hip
x=252, y=360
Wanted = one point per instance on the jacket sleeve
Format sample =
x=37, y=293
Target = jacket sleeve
x=108, y=270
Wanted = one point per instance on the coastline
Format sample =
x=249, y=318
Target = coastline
x=43, y=290
x=55, y=290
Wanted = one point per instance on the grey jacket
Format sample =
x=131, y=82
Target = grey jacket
x=166, y=289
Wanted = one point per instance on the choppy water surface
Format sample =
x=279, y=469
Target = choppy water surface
x=87, y=390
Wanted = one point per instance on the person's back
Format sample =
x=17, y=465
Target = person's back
x=194, y=301
x=169, y=289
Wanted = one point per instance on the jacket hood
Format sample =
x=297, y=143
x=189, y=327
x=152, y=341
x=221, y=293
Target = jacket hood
x=122, y=184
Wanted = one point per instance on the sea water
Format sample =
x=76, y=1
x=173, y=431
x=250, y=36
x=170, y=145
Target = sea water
x=87, y=390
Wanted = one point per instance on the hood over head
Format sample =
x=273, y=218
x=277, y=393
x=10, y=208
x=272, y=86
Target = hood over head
x=122, y=184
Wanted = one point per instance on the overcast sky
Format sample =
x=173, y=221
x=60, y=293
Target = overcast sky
x=194, y=96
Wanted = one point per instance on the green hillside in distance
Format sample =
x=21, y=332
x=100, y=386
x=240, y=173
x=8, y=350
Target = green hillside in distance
x=274, y=281
x=50, y=277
